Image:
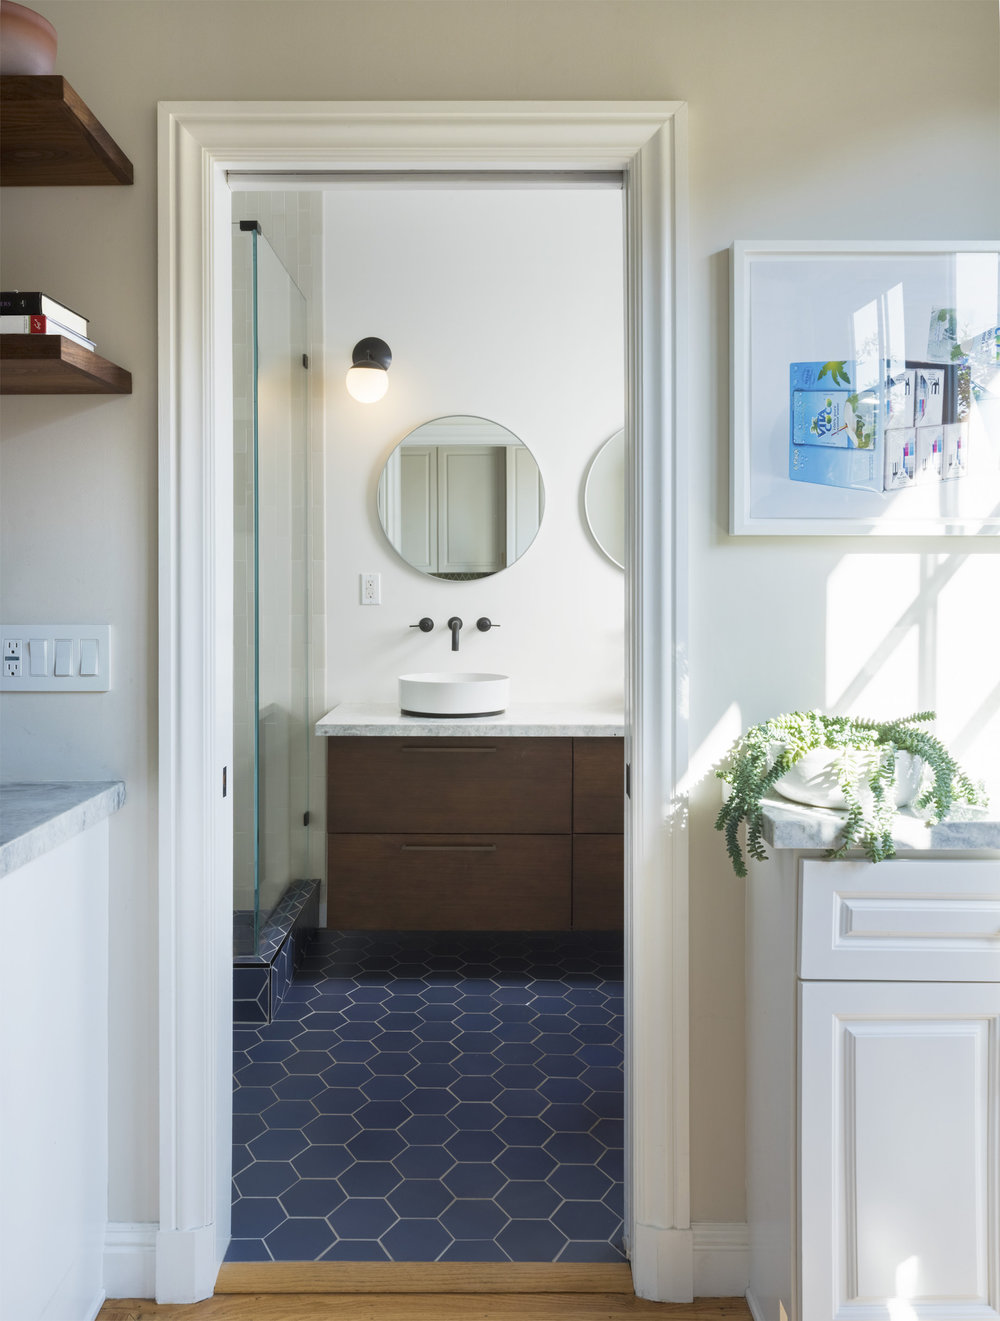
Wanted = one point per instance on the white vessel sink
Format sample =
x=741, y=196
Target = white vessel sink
x=453, y=694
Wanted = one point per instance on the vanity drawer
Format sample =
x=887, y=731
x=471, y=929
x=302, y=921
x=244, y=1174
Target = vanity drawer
x=904, y=920
x=394, y=785
x=419, y=882
x=599, y=786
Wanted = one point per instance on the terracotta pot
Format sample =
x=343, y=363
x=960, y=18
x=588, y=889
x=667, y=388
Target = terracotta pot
x=27, y=41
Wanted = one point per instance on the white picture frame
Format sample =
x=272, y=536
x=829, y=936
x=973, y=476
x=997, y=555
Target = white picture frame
x=863, y=310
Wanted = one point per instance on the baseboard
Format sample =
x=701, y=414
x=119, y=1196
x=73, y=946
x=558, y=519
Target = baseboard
x=130, y=1260
x=186, y=1264
x=98, y=1302
x=721, y=1259
x=754, y=1307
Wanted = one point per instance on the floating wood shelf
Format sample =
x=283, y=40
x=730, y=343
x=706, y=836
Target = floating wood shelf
x=51, y=137
x=53, y=364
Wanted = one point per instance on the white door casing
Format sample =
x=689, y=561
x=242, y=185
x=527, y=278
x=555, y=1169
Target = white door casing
x=198, y=143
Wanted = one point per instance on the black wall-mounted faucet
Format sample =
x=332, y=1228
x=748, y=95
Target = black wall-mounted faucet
x=484, y=625
x=454, y=623
x=425, y=625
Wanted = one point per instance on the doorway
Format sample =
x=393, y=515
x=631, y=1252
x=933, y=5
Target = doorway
x=199, y=143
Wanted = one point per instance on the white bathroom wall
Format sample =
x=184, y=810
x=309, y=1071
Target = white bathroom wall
x=499, y=304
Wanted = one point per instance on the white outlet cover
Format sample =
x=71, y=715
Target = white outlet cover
x=16, y=638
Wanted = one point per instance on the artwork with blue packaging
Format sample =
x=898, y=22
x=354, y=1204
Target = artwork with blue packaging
x=902, y=430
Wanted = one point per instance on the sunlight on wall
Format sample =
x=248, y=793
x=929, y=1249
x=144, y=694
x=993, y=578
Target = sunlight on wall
x=920, y=632
x=872, y=663
x=713, y=747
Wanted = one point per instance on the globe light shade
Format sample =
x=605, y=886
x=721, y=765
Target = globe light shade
x=367, y=384
x=368, y=378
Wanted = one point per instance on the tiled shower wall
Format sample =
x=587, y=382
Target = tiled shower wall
x=292, y=224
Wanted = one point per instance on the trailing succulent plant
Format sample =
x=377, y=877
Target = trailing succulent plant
x=768, y=750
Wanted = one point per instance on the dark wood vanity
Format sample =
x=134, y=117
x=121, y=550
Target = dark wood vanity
x=475, y=833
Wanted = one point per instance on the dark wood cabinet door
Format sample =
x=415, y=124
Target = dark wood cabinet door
x=598, y=786
x=598, y=882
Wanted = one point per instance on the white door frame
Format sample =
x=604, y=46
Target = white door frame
x=198, y=143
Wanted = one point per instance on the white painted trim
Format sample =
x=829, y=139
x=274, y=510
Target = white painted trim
x=721, y=1259
x=198, y=142
x=755, y=1308
x=130, y=1260
x=91, y=1313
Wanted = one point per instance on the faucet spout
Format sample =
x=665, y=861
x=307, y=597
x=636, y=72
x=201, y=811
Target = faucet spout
x=454, y=623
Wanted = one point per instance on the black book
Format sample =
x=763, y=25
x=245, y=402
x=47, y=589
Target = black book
x=36, y=304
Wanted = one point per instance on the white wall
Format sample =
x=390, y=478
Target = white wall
x=503, y=305
x=828, y=119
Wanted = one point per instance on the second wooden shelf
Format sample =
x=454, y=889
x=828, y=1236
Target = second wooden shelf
x=53, y=364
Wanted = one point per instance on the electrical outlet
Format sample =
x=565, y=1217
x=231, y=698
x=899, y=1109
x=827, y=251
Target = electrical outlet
x=54, y=658
x=12, y=667
x=12, y=648
x=371, y=589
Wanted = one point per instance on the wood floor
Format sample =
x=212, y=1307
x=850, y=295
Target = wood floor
x=431, y=1291
x=425, y=1307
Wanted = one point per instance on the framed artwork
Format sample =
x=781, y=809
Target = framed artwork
x=865, y=388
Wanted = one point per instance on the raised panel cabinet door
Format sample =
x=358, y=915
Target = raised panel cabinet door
x=898, y=1170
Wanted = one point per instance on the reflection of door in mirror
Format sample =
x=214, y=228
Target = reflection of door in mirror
x=460, y=497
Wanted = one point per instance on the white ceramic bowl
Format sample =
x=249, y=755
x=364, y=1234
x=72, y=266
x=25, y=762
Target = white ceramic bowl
x=443, y=694
x=814, y=778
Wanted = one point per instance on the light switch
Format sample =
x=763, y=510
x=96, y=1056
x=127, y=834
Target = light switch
x=64, y=656
x=38, y=656
x=88, y=656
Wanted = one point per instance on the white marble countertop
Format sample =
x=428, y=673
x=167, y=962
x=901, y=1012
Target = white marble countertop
x=789, y=825
x=35, y=817
x=520, y=720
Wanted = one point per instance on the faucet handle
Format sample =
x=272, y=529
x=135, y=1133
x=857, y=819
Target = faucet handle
x=484, y=625
x=425, y=624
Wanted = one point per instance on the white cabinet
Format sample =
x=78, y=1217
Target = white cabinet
x=898, y=1123
x=873, y=1090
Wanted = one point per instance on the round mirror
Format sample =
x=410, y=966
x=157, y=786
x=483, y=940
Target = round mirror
x=604, y=498
x=460, y=498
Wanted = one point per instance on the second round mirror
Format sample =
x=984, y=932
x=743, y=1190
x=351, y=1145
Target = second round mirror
x=604, y=498
x=460, y=498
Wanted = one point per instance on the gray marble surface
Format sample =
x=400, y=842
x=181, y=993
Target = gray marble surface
x=520, y=720
x=35, y=817
x=790, y=825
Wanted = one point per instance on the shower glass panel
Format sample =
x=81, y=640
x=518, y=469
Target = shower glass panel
x=270, y=737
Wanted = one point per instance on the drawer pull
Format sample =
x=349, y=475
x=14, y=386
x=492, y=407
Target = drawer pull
x=409, y=747
x=448, y=848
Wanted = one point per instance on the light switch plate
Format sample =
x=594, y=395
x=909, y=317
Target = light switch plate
x=48, y=648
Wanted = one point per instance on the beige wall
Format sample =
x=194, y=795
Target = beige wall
x=809, y=120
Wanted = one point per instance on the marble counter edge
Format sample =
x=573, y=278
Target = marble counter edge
x=525, y=720
x=789, y=826
x=36, y=816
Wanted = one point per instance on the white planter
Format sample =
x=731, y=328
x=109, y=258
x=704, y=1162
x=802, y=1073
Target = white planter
x=815, y=778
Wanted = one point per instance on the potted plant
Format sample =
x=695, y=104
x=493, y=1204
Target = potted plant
x=868, y=767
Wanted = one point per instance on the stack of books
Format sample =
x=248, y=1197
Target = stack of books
x=37, y=314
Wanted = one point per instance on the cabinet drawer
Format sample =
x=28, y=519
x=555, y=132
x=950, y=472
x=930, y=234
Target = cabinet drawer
x=402, y=785
x=598, y=785
x=904, y=920
x=598, y=882
x=448, y=882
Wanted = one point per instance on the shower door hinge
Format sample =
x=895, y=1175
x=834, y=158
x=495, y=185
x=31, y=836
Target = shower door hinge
x=305, y=818
x=628, y=779
x=305, y=361
x=224, y=770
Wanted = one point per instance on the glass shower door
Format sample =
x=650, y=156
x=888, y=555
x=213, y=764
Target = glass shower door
x=271, y=731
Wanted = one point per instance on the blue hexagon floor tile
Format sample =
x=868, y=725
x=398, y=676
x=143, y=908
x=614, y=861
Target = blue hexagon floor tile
x=435, y=1096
